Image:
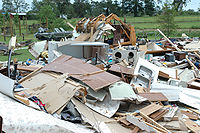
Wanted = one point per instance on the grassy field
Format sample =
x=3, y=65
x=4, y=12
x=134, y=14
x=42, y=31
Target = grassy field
x=154, y=18
x=183, y=22
x=143, y=26
x=20, y=55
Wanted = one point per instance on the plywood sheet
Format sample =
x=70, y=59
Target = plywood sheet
x=92, y=76
x=154, y=96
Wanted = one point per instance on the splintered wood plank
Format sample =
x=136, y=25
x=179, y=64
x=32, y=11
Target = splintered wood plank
x=151, y=109
x=83, y=37
x=158, y=114
x=190, y=115
x=164, y=75
x=192, y=125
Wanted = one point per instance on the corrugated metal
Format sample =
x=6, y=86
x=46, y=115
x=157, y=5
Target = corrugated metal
x=92, y=76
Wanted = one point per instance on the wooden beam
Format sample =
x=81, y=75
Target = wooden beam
x=197, y=54
x=152, y=121
x=168, y=40
x=190, y=62
x=29, y=75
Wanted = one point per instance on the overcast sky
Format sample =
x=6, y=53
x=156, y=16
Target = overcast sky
x=194, y=4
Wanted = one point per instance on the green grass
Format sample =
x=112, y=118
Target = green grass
x=188, y=18
x=147, y=22
x=191, y=22
x=20, y=55
x=73, y=21
x=30, y=22
x=19, y=38
x=145, y=19
x=181, y=25
x=139, y=19
x=189, y=25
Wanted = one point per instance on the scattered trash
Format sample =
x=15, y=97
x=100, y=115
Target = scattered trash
x=102, y=84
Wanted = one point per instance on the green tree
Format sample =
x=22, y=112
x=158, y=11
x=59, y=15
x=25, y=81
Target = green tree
x=16, y=20
x=110, y=6
x=7, y=6
x=135, y=7
x=81, y=8
x=1, y=20
x=47, y=12
x=96, y=8
x=166, y=19
x=178, y=4
x=35, y=5
x=63, y=6
x=15, y=6
x=38, y=4
x=20, y=5
x=57, y=23
x=149, y=7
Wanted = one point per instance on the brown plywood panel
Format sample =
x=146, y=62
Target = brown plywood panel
x=27, y=68
x=154, y=96
x=55, y=93
x=91, y=75
x=119, y=68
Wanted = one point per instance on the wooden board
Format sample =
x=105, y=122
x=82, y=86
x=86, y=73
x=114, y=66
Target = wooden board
x=83, y=37
x=154, y=96
x=151, y=109
x=190, y=115
x=192, y=125
x=158, y=114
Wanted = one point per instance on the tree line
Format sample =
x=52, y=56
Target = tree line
x=89, y=8
x=45, y=11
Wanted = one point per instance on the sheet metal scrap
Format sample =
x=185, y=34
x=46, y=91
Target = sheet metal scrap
x=92, y=76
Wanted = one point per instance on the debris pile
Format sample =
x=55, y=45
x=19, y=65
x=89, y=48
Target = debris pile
x=147, y=87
